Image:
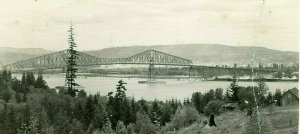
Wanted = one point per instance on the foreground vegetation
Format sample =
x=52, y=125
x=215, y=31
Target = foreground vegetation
x=29, y=106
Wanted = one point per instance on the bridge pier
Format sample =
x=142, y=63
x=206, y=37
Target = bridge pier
x=151, y=73
x=191, y=72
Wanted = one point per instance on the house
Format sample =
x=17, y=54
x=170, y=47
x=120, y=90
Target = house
x=230, y=106
x=290, y=98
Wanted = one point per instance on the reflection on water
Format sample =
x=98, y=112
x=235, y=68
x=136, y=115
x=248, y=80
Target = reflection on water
x=172, y=89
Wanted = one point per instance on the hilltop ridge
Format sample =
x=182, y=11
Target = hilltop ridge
x=203, y=54
x=208, y=54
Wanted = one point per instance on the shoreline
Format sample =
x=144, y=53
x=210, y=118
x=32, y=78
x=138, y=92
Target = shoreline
x=178, y=77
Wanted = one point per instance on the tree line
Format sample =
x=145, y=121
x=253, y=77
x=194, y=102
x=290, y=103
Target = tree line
x=29, y=106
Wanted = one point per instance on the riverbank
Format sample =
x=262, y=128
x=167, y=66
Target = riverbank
x=256, y=80
x=179, y=77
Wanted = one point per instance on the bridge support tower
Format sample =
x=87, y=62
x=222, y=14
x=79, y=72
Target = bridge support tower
x=151, y=73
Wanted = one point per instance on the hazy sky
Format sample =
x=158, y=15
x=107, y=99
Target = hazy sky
x=109, y=23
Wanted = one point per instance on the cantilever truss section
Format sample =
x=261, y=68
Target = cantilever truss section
x=59, y=60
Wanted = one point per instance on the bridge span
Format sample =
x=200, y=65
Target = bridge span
x=150, y=57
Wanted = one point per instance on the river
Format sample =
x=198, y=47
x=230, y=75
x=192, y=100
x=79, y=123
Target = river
x=173, y=88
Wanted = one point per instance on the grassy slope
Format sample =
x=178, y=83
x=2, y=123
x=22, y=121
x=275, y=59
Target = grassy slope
x=235, y=122
x=230, y=122
x=285, y=120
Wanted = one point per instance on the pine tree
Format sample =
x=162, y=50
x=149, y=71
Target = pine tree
x=12, y=118
x=134, y=109
x=82, y=94
x=18, y=97
x=196, y=100
x=24, y=97
x=76, y=127
x=227, y=95
x=40, y=82
x=234, y=91
x=89, y=111
x=155, y=113
x=6, y=75
x=6, y=95
x=107, y=128
x=23, y=79
x=30, y=128
x=143, y=124
x=24, y=83
x=120, y=107
x=219, y=94
x=143, y=105
x=100, y=116
x=120, y=93
x=4, y=125
x=166, y=113
x=30, y=80
x=71, y=64
x=121, y=129
x=96, y=96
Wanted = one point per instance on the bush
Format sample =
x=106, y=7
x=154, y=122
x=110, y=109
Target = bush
x=252, y=127
x=213, y=107
x=121, y=129
x=143, y=124
x=148, y=129
x=205, y=122
x=183, y=117
x=130, y=128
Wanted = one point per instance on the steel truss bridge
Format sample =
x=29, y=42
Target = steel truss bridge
x=149, y=57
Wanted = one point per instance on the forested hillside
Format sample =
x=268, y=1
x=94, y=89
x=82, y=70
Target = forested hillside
x=29, y=106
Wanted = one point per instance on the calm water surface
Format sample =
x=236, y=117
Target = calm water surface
x=173, y=88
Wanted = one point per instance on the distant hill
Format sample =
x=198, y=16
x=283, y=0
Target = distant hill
x=201, y=54
x=208, y=54
x=10, y=55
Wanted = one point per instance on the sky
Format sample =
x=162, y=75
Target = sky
x=111, y=23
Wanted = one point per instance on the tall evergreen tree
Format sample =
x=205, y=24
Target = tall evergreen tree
x=30, y=80
x=120, y=106
x=40, y=82
x=197, y=101
x=134, y=109
x=120, y=93
x=24, y=83
x=155, y=114
x=89, y=110
x=71, y=64
x=6, y=75
x=234, y=91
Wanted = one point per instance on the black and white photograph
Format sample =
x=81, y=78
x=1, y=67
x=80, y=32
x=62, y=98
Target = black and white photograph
x=149, y=66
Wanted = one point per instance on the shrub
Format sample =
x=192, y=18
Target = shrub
x=252, y=127
x=205, y=122
x=143, y=124
x=121, y=129
x=183, y=117
x=213, y=107
x=130, y=128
